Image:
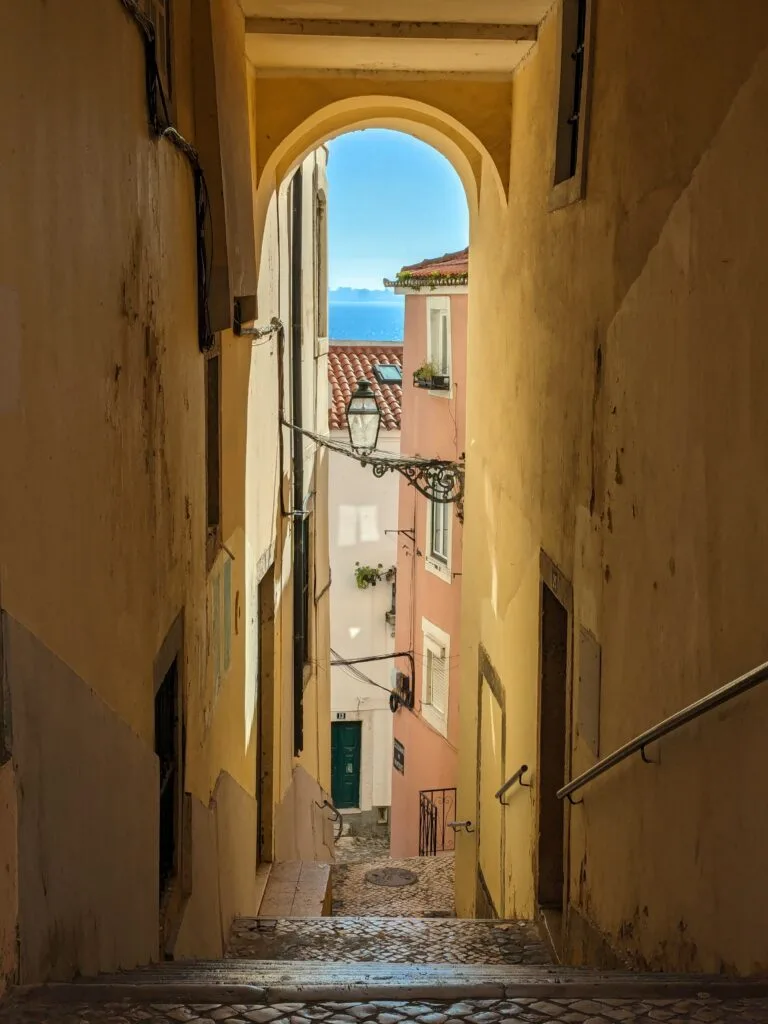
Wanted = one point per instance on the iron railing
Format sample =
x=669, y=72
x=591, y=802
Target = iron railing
x=700, y=707
x=436, y=807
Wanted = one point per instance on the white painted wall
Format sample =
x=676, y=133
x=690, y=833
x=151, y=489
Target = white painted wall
x=361, y=508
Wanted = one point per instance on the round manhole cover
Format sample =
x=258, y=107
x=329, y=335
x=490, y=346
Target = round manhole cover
x=391, y=877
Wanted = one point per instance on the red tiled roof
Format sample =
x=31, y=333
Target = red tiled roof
x=450, y=265
x=346, y=365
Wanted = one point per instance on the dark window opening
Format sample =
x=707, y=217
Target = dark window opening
x=553, y=693
x=387, y=374
x=572, y=76
x=305, y=582
x=213, y=452
x=167, y=748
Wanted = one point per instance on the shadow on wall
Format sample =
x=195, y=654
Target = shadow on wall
x=303, y=831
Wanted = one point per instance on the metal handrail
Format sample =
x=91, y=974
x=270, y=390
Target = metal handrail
x=517, y=777
x=700, y=707
x=337, y=816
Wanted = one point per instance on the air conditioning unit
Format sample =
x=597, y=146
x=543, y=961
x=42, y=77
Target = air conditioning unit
x=404, y=690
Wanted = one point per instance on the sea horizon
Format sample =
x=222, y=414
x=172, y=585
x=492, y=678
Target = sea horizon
x=369, y=322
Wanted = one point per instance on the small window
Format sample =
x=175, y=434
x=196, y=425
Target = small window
x=213, y=453
x=439, y=334
x=158, y=12
x=386, y=373
x=573, y=78
x=435, y=685
x=439, y=532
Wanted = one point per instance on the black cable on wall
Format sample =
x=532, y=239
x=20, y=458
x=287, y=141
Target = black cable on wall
x=161, y=126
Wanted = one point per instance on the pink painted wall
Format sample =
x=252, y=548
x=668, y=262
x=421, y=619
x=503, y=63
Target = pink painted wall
x=432, y=425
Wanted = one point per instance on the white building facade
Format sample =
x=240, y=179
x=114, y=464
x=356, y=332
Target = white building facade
x=363, y=513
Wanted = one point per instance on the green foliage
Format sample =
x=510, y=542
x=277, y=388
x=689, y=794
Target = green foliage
x=368, y=575
x=426, y=371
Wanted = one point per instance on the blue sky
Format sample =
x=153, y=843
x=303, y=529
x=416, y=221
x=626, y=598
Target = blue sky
x=392, y=200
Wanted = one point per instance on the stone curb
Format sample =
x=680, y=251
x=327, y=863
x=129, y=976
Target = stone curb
x=352, y=992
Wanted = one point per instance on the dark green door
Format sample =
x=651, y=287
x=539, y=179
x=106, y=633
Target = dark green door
x=345, y=763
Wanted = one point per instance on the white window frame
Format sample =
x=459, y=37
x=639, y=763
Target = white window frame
x=434, y=562
x=440, y=304
x=436, y=643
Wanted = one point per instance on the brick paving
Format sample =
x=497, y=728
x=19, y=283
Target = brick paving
x=702, y=1009
x=388, y=940
x=432, y=895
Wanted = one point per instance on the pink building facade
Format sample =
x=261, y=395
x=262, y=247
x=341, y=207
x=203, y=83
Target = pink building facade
x=425, y=760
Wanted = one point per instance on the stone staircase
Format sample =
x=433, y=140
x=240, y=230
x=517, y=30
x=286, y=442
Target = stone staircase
x=388, y=971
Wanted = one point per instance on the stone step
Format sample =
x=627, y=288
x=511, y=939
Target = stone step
x=263, y=982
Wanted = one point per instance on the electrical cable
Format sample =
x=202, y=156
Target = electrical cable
x=162, y=128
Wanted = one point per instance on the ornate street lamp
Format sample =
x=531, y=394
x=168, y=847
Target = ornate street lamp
x=363, y=418
x=437, y=479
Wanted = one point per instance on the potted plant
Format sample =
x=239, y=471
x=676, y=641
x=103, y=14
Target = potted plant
x=369, y=575
x=423, y=377
x=427, y=377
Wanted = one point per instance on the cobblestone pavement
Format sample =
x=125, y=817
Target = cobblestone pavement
x=352, y=849
x=384, y=940
x=702, y=1009
x=432, y=895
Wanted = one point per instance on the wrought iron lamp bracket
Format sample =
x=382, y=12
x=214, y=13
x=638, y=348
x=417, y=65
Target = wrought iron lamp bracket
x=437, y=479
x=440, y=480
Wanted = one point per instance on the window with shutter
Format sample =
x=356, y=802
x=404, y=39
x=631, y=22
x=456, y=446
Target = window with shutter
x=435, y=691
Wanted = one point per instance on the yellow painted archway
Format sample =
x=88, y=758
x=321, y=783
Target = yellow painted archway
x=276, y=157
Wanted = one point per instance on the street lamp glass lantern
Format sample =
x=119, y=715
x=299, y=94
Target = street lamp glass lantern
x=363, y=418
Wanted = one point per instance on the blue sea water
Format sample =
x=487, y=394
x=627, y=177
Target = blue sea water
x=365, y=321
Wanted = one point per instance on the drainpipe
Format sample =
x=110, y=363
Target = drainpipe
x=297, y=526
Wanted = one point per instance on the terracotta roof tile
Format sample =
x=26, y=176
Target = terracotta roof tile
x=346, y=365
x=451, y=264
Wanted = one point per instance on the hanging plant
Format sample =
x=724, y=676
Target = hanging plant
x=369, y=575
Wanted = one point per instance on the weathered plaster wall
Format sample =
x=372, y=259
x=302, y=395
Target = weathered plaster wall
x=87, y=861
x=622, y=336
x=102, y=522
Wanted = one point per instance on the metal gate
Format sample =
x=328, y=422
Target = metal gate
x=436, y=808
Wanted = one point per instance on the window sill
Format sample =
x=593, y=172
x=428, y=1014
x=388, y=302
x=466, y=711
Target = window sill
x=435, y=720
x=567, y=192
x=438, y=569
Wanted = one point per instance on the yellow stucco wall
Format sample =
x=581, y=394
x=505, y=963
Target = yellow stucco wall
x=613, y=421
x=103, y=515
